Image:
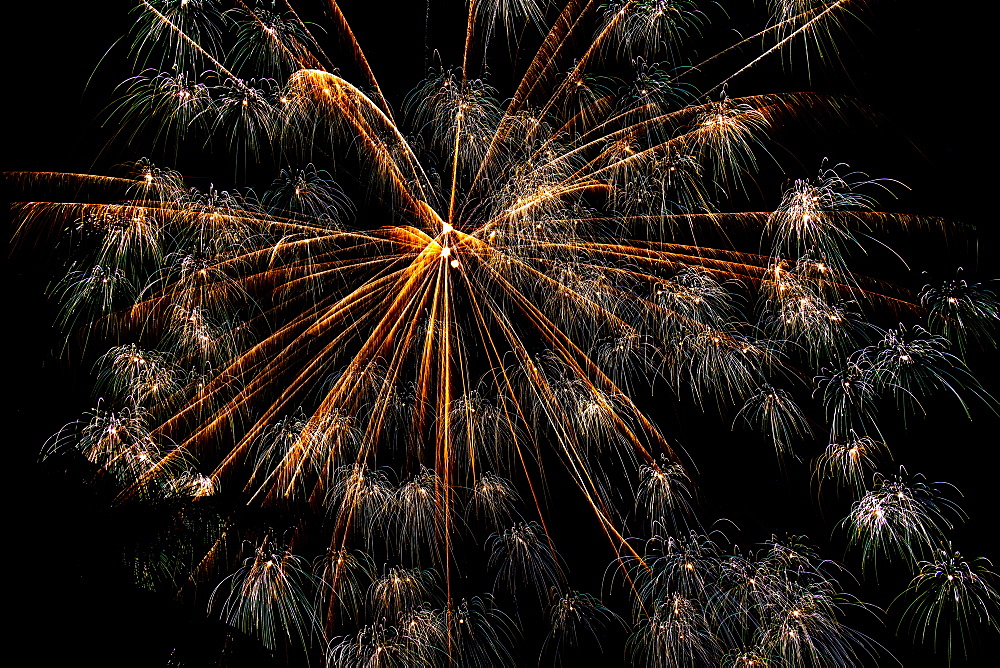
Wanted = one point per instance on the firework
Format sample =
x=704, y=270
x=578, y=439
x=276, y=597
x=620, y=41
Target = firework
x=850, y=463
x=434, y=325
x=574, y=614
x=269, y=593
x=900, y=515
x=777, y=607
x=949, y=596
x=962, y=312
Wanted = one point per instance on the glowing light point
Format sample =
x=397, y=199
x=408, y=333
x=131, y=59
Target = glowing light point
x=446, y=228
x=446, y=251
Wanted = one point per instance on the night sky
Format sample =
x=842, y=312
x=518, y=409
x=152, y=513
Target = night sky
x=916, y=64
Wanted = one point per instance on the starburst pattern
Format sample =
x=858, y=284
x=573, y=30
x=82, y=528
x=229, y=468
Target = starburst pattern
x=388, y=374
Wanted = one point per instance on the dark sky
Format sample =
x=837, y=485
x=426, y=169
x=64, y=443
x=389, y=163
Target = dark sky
x=916, y=63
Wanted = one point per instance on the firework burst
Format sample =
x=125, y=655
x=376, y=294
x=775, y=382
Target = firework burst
x=387, y=357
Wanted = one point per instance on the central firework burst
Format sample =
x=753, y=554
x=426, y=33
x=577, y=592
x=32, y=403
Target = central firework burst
x=382, y=390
